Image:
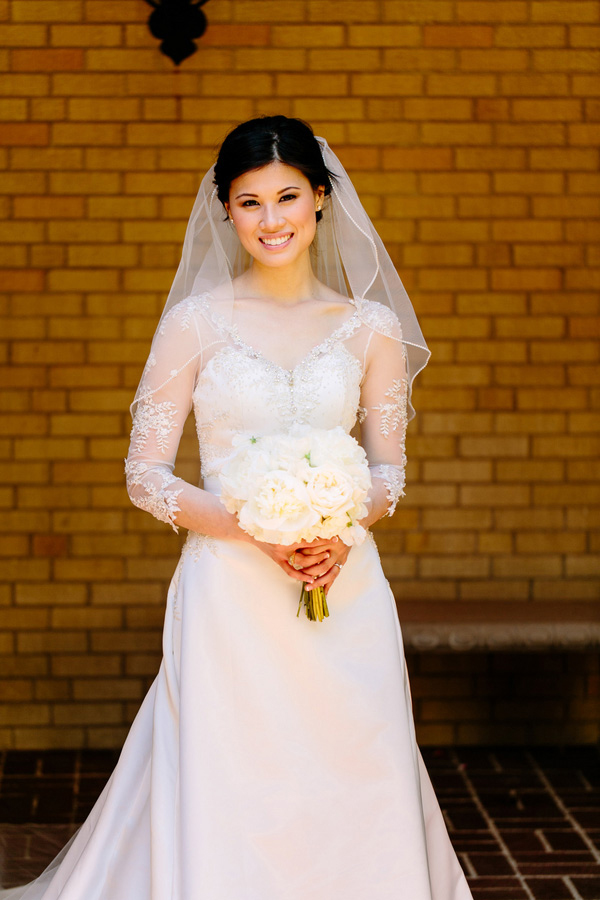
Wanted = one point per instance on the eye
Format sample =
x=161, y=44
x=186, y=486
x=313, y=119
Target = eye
x=249, y=203
x=288, y=197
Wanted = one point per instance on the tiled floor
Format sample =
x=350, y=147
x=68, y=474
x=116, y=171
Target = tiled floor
x=525, y=823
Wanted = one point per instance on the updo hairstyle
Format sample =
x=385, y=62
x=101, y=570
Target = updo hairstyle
x=267, y=139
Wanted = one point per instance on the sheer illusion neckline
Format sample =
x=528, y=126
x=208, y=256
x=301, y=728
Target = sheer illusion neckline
x=342, y=332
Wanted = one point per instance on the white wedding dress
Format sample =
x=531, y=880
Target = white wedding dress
x=274, y=758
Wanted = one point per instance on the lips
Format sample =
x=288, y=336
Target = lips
x=276, y=240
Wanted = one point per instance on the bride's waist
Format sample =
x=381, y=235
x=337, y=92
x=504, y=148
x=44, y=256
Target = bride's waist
x=212, y=484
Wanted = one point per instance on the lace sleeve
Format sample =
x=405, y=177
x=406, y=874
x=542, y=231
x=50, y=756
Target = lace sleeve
x=384, y=399
x=163, y=404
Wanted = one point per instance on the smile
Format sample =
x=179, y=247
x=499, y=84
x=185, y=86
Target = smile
x=276, y=241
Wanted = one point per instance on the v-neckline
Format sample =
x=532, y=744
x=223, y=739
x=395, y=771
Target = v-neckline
x=231, y=330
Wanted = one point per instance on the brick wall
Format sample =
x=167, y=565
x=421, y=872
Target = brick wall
x=471, y=131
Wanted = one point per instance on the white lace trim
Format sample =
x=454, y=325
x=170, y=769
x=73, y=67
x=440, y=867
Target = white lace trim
x=155, y=499
x=394, y=478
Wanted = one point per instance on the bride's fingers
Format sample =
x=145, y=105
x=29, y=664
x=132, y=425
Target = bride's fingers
x=304, y=561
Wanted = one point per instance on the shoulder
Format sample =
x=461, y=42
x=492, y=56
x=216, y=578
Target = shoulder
x=379, y=318
x=197, y=314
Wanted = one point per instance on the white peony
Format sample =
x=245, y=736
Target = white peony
x=298, y=486
x=330, y=489
x=280, y=507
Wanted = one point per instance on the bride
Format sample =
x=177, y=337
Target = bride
x=274, y=758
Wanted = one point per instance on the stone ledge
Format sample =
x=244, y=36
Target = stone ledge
x=471, y=636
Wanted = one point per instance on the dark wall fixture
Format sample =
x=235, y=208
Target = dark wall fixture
x=177, y=23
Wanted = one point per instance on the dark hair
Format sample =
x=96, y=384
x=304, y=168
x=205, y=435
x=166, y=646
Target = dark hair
x=264, y=140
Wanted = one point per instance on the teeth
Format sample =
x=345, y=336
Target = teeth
x=273, y=242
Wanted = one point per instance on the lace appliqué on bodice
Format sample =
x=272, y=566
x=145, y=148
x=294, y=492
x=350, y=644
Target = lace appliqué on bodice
x=236, y=389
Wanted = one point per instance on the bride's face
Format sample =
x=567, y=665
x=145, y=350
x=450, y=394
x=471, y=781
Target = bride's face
x=273, y=210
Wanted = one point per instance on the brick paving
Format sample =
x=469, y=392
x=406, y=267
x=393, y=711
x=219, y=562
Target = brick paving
x=525, y=822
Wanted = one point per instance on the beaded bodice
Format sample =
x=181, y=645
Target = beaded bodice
x=200, y=362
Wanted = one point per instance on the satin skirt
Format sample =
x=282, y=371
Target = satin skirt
x=273, y=758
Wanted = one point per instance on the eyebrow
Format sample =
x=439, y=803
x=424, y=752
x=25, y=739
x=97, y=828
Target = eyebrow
x=288, y=188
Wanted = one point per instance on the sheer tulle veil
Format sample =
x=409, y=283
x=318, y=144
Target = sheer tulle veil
x=347, y=255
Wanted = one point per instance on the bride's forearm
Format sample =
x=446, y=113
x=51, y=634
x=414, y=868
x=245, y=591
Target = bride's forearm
x=378, y=503
x=201, y=511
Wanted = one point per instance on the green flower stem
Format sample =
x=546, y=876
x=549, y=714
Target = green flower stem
x=315, y=604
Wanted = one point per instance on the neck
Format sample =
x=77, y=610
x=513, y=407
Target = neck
x=290, y=284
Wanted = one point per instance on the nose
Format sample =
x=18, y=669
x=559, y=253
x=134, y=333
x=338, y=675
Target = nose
x=271, y=217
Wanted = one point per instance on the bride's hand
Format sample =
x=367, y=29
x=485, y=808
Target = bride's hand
x=319, y=554
x=323, y=563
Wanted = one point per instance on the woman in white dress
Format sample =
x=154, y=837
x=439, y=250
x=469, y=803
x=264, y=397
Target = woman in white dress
x=274, y=758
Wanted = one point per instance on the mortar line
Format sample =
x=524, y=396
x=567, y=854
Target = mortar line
x=564, y=810
x=493, y=828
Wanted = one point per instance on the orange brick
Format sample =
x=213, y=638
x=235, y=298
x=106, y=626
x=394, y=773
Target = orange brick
x=535, y=84
x=538, y=254
x=249, y=36
x=493, y=60
x=565, y=207
x=96, y=109
x=417, y=59
x=583, y=183
x=418, y=159
x=555, y=110
x=452, y=279
x=22, y=35
x=46, y=10
x=88, y=84
x=85, y=35
x=531, y=36
x=417, y=11
x=13, y=109
x=345, y=108
x=528, y=134
x=586, y=134
x=286, y=60
x=429, y=108
x=448, y=85
x=47, y=60
x=45, y=109
x=457, y=36
x=23, y=280
x=456, y=133
x=529, y=470
x=585, y=35
x=374, y=35
x=493, y=158
x=565, y=159
x=236, y=85
x=383, y=85
x=526, y=279
x=82, y=133
x=122, y=207
x=455, y=182
x=24, y=133
x=585, y=85
x=84, y=183
x=529, y=183
x=566, y=60
x=557, y=11
x=491, y=351
x=498, y=11
x=24, y=85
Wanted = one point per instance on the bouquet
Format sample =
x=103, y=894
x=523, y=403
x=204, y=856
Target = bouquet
x=298, y=486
